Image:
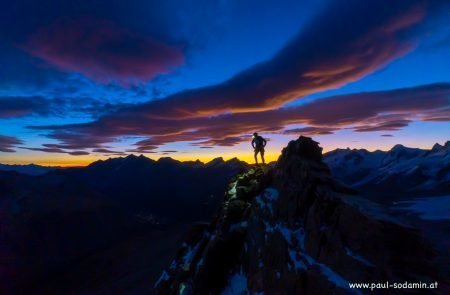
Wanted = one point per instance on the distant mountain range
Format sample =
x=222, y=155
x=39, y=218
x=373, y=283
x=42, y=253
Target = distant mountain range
x=30, y=169
x=120, y=210
x=401, y=170
x=34, y=170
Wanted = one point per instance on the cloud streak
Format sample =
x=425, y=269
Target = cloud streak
x=377, y=111
x=56, y=149
x=310, y=131
x=8, y=143
x=22, y=106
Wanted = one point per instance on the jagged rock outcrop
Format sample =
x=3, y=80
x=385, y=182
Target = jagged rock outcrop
x=292, y=229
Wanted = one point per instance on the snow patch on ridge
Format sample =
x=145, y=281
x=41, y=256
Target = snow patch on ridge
x=164, y=277
x=330, y=274
x=187, y=258
x=302, y=261
x=266, y=199
x=298, y=263
x=271, y=194
x=238, y=226
x=237, y=284
x=358, y=257
x=431, y=208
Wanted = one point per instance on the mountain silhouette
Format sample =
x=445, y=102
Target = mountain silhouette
x=30, y=169
x=121, y=217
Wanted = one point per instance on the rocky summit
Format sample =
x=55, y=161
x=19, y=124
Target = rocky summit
x=290, y=228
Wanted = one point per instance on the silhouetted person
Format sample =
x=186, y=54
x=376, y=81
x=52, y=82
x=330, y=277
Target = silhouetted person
x=258, y=143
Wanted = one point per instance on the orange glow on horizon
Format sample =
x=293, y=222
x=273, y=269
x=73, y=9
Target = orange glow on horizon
x=74, y=161
x=241, y=151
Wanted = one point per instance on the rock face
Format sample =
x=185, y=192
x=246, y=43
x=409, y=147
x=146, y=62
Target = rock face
x=292, y=229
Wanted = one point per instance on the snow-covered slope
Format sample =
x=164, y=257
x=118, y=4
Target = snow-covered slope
x=400, y=170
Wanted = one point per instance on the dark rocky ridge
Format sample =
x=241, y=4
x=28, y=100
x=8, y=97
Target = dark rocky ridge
x=292, y=229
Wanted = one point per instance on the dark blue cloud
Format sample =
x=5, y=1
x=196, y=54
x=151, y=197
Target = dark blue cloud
x=22, y=106
x=55, y=150
x=9, y=143
x=310, y=131
x=21, y=20
x=22, y=71
x=103, y=51
x=14, y=106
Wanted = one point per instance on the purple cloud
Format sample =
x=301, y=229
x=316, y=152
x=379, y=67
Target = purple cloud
x=49, y=148
x=78, y=153
x=310, y=131
x=103, y=51
x=108, y=152
x=8, y=143
x=384, y=126
x=381, y=110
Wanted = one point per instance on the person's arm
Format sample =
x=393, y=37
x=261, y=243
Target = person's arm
x=264, y=141
x=253, y=143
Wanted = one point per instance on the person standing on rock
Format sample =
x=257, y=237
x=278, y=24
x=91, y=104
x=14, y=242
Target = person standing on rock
x=258, y=144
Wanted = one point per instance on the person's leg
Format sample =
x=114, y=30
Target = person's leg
x=262, y=157
x=256, y=157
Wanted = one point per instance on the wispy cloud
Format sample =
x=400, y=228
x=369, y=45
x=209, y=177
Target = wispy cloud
x=9, y=143
x=310, y=131
x=22, y=106
x=376, y=111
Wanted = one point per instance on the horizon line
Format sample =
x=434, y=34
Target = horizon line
x=273, y=157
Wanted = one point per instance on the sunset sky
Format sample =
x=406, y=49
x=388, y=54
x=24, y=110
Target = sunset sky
x=87, y=80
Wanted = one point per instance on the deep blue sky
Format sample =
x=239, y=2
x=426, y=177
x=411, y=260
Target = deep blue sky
x=192, y=79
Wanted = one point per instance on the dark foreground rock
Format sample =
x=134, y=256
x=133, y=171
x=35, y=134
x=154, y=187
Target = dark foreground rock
x=292, y=229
